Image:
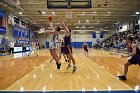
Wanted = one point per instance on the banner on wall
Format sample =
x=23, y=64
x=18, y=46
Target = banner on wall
x=94, y=34
x=2, y=40
x=26, y=33
x=20, y=32
x=31, y=34
x=22, y=41
x=2, y=26
x=2, y=13
x=3, y=30
x=102, y=35
x=16, y=33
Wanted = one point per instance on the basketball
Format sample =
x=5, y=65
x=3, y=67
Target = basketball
x=50, y=18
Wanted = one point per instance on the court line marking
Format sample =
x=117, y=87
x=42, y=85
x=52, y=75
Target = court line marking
x=110, y=73
x=28, y=74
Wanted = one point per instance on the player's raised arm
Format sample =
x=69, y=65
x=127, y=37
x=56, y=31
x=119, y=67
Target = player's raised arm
x=66, y=27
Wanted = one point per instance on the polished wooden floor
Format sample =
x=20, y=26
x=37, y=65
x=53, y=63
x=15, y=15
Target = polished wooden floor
x=98, y=71
x=114, y=64
x=14, y=67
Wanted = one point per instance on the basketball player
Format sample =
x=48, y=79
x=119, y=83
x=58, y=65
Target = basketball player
x=52, y=44
x=58, y=49
x=33, y=48
x=135, y=56
x=37, y=46
x=85, y=47
x=67, y=42
x=64, y=52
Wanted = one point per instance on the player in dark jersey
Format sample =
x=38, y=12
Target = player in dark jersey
x=134, y=54
x=67, y=43
x=64, y=51
x=85, y=47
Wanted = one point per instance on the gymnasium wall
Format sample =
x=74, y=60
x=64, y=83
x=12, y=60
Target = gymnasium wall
x=9, y=33
x=41, y=39
x=77, y=39
x=1, y=36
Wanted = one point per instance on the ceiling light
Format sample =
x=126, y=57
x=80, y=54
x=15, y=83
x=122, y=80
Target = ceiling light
x=77, y=27
x=53, y=13
x=20, y=13
x=90, y=27
x=101, y=29
x=43, y=13
x=134, y=15
x=98, y=21
x=137, y=13
x=94, y=12
x=108, y=12
x=106, y=27
x=83, y=12
x=87, y=21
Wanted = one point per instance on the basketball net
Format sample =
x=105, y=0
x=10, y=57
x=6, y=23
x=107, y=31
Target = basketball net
x=69, y=14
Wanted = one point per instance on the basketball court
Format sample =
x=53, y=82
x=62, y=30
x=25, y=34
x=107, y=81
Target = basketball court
x=91, y=21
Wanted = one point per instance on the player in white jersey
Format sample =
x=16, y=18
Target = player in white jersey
x=52, y=44
x=33, y=48
x=58, y=49
x=59, y=45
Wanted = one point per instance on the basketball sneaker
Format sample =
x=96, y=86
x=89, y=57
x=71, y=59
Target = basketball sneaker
x=122, y=77
x=74, y=69
x=58, y=64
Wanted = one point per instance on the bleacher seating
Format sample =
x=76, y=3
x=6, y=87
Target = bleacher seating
x=117, y=41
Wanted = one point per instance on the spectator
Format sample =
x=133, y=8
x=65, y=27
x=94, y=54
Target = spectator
x=11, y=47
